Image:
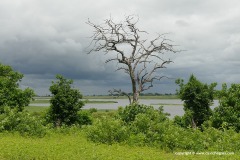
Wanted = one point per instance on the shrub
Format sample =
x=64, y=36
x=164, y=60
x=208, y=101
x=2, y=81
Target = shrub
x=141, y=124
x=65, y=102
x=103, y=114
x=11, y=94
x=129, y=113
x=185, y=120
x=227, y=114
x=22, y=122
x=92, y=110
x=84, y=118
x=108, y=131
x=197, y=99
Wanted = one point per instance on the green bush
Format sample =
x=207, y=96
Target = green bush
x=65, y=103
x=197, y=98
x=141, y=124
x=11, y=95
x=92, y=110
x=128, y=113
x=22, y=122
x=227, y=114
x=153, y=128
x=185, y=120
x=108, y=131
x=148, y=129
x=103, y=114
x=84, y=118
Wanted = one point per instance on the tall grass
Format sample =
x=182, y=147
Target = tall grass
x=74, y=145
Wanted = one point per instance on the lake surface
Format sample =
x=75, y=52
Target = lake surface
x=172, y=106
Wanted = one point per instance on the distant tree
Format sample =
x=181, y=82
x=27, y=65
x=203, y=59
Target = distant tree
x=227, y=114
x=197, y=99
x=10, y=94
x=65, y=102
x=138, y=57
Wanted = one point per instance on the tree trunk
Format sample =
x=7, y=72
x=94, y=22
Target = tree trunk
x=135, y=97
x=134, y=91
x=193, y=124
x=134, y=87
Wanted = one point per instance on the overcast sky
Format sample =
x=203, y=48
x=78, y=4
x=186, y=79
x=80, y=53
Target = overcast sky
x=42, y=38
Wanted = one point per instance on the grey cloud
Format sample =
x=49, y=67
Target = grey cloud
x=45, y=38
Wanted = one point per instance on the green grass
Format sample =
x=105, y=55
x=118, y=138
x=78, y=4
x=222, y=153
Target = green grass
x=74, y=146
x=160, y=97
x=99, y=102
x=32, y=109
x=166, y=104
x=41, y=101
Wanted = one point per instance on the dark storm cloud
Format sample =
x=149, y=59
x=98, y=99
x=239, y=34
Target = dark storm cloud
x=42, y=38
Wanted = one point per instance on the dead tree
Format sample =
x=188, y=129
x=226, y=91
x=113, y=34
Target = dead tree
x=138, y=57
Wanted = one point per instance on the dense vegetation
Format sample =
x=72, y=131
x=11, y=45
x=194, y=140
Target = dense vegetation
x=10, y=93
x=228, y=112
x=135, y=131
x=197, y=98
x=65, y=103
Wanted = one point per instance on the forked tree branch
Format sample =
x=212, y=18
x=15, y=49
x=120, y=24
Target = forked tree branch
x=119, y=93
x=143, y=58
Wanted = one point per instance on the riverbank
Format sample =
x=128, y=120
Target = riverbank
x=120, y=97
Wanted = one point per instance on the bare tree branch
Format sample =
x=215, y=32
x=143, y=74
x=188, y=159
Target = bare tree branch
x=141, y=61
x=119, y=93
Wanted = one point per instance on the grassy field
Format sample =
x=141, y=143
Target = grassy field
x=99, y=102
x=38, y=100
x=166, y=104
x=36, y=108
x=74, y=145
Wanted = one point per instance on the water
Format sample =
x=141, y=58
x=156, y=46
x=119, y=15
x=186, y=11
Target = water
x=172, y=106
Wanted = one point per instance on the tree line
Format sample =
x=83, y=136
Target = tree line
x=66, y=101
x=141, y=62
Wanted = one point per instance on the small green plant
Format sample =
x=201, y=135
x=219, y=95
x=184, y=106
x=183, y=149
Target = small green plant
x=103, y=114
x=129, y=113
x=108, y=131
x=92, y=110
x=22, y=122
x=85, y=118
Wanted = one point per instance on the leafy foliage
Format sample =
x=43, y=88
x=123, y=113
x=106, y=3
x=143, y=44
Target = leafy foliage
x=128, y=113
x=197, y=99
x=65, y=102
x=152, y=128
x=132, y=122
x=227, y=114
x=108, y=131
x=84, y=118
x=10, y=93
x=22, y=122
